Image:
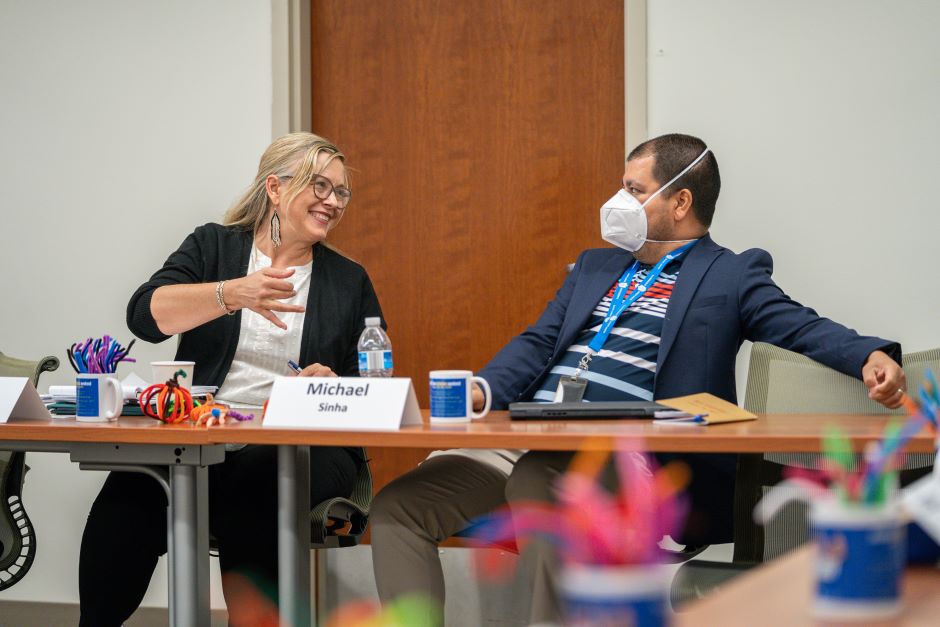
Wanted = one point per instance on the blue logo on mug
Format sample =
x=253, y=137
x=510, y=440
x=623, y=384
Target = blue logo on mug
x=86, y=397
x=449, y=398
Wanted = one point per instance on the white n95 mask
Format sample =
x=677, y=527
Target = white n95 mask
x=623, y=217
x=623, y=221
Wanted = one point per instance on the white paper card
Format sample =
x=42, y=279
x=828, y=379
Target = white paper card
x=131, y=385
x=342, y=403
x=921, y=500
x=20, y=400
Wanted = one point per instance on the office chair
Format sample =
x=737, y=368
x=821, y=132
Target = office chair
x=780, y=381
x=17, y=534
x=786, y=382
x=340, y=522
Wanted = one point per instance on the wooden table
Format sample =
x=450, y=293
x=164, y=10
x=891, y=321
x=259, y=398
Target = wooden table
x=183, y=452
x=776, y=433
x=780, y=593
x=177, y=456
x=126, y=430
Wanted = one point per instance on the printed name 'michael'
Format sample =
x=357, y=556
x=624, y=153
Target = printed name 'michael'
x=337, y=389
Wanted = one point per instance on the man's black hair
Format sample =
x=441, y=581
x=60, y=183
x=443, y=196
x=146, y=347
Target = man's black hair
x=671, y=154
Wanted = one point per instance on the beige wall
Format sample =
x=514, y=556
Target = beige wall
x=823, y=116
x=124, y=125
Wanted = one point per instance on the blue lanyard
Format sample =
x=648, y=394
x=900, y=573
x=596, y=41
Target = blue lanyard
x=621, y=300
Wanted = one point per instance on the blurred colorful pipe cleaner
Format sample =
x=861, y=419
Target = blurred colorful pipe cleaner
x=406, y=611
x=588, y=524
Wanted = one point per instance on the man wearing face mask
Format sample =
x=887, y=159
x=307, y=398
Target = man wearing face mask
x=661, y=315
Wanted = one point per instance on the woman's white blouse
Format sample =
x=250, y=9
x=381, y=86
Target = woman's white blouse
x=263, y=349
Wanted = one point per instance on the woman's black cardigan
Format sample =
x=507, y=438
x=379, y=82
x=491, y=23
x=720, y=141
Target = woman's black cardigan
x=341, y=298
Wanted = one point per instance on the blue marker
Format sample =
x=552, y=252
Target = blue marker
x=293, y=366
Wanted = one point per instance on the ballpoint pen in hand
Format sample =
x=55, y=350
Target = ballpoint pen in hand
x=293, y=366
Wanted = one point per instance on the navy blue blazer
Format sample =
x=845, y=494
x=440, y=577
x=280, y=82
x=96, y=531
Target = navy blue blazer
x=720, y=299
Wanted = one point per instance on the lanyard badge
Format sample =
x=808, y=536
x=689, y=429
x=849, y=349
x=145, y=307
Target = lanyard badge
x=571, y=388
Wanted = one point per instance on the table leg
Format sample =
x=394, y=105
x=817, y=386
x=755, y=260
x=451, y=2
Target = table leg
x=293, y=527
x=183, y=473
x=170, y=569
x=189, y=545
x=202, y=545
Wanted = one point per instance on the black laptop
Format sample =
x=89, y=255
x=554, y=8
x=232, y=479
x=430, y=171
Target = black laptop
x=577, y=410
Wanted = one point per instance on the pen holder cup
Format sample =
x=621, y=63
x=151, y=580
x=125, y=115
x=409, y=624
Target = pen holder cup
x=635, y=594
x=860, y=555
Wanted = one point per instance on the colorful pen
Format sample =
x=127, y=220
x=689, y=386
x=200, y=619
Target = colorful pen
x=293, y=366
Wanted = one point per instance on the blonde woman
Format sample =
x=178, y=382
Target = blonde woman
x=244, y=297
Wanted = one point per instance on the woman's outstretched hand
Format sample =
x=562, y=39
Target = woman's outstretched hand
x=263, y=292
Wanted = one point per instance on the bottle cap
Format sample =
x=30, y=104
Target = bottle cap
x=374, y=322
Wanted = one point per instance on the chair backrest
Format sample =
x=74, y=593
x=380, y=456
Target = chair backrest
x=17, y=534
x=780, y=381
x=13, y=367
x=916, y=364
x=783, y=382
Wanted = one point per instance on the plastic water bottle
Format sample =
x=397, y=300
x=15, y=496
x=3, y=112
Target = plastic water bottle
x=375, y=350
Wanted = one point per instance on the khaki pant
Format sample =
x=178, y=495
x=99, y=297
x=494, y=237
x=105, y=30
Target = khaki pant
x=439, y=498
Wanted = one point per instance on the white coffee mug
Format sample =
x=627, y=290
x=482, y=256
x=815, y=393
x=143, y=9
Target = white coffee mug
x=451, y=396
x=98, y=397
x=164, y=370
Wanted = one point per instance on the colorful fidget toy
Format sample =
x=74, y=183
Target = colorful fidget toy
x=174, y=403
x=211, y=412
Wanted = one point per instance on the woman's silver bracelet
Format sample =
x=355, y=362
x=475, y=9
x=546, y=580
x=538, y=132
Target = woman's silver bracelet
x=220, y=298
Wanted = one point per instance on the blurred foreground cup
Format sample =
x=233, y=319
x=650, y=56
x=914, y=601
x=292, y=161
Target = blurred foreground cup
x=860, y=555
x=602, y=595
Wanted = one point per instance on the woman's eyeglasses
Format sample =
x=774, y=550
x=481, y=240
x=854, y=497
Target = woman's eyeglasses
x=322, y=188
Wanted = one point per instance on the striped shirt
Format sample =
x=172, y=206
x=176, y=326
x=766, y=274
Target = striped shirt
x=625, y=367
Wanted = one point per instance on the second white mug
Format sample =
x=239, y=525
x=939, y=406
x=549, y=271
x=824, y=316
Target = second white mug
x=451, y=396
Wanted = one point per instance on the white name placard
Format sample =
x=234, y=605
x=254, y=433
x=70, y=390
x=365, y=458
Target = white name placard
x=19, y=399
x=342, y=403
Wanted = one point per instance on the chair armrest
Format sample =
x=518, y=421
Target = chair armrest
x=46, y=364
x=336, y=509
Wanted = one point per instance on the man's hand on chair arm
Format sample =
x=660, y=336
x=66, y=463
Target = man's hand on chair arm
x=884, y=379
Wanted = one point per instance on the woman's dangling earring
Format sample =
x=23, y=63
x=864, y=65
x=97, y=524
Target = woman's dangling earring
x=275, y=229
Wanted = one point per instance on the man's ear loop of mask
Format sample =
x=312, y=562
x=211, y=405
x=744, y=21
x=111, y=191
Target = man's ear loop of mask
x=623, y=219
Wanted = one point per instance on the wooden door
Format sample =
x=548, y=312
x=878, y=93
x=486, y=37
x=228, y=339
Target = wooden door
x=482, y=138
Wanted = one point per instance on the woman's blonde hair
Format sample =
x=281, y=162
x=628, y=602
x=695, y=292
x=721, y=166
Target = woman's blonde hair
x=295, y=155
